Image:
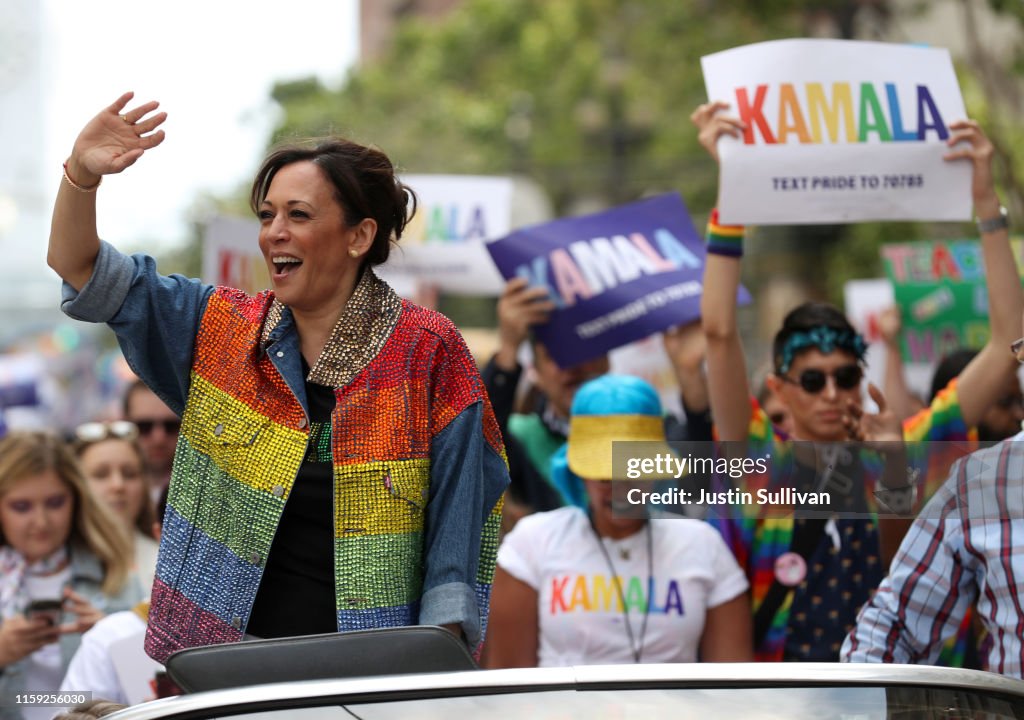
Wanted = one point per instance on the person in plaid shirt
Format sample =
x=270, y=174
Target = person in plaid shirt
x=963, y=548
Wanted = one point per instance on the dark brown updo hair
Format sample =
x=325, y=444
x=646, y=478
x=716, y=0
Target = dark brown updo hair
x=364, y=182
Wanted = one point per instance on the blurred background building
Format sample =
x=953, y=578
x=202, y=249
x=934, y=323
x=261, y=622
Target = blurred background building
x=379, y=18
x=27, y=287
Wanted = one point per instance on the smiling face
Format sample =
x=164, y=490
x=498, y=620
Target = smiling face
x=36, y=515
x=114, y=473
x=817, y=415
x=306, y=243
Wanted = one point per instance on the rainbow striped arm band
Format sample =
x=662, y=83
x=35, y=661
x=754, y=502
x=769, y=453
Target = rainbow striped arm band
x=724, y=239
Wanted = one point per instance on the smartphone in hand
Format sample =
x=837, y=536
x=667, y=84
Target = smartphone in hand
x=50, y=610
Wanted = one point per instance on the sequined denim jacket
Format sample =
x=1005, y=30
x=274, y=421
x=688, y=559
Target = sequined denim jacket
x=160, y=322
x=87, y=581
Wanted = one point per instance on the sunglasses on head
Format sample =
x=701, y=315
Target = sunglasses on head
x=92, y=432
x=813, y=380
x=171, y=427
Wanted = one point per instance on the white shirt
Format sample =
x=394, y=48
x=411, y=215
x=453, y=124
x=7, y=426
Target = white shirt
x=580, y=610
x=94, y=668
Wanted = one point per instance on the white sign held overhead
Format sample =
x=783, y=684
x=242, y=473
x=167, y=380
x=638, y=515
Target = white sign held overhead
x=444, y=243
x=838, y=131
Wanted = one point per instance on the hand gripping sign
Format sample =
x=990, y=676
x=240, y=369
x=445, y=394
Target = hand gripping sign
x=838, y=131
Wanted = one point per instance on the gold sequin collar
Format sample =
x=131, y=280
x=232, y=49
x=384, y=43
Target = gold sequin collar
x=364, y=326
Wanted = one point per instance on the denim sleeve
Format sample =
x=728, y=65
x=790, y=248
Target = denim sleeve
x=467, y=479
x=155, y=317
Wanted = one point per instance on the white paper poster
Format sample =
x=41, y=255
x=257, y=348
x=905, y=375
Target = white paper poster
x=231, y=255
x=134, y=668
x=443, y=245
x=838, y=131
x=864, y=301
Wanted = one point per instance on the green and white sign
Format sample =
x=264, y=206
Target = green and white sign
x=940, y=287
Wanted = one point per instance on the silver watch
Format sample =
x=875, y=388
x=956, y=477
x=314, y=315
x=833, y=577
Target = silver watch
x=1000, y=222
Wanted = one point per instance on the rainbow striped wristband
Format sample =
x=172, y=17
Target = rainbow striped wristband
x=724, y=239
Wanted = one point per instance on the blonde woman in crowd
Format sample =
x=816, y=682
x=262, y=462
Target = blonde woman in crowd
x=114, y=467
x=64, y=562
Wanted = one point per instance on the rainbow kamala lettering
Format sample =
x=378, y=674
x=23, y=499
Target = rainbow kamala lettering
x=600, y=593
x=589, y=267
x=844, y=114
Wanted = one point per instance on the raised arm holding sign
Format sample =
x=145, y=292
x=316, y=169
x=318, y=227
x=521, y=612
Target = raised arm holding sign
x=818, y=368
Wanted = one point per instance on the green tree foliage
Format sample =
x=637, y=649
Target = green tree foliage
x=591, y=98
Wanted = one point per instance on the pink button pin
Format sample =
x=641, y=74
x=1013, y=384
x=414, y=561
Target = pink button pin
x=790, y=569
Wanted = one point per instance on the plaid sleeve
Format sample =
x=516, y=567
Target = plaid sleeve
x=923, y=599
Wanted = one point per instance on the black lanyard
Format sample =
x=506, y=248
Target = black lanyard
x=636, y=650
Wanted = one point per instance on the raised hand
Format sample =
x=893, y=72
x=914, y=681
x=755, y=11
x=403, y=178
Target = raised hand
x=890, y=325
x=114, y=140
x=880, y=427
x=712, y=124
x=519, y=308
x=968, y=141
x=685, y=346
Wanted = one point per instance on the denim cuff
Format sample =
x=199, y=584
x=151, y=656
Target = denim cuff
x=452, y=604
x=102, y=296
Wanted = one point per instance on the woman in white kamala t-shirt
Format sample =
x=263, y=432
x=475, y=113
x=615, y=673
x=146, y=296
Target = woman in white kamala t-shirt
x=588, y=587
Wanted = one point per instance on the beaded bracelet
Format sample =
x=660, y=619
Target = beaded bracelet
x=81, y=188
x=724, y=239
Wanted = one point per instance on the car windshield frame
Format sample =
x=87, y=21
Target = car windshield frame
x=361, y=691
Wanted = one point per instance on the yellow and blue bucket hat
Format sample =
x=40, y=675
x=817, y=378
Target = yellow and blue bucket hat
x=609, y=409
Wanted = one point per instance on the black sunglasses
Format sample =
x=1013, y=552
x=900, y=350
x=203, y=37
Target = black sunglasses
x=812, y=380
x=171, y=427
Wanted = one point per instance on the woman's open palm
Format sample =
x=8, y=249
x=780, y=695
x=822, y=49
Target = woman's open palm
x=116, y=138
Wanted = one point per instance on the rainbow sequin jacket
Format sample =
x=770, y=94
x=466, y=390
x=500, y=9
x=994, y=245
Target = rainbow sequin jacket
x=419, y=466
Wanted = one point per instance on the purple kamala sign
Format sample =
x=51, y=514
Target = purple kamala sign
x=615, y=276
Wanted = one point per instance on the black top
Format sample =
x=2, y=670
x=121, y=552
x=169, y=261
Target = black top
x=296, y=593
x=843, y=570
x=527, y=485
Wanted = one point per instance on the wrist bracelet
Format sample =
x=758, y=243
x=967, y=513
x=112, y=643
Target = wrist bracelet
x=81, y=188
x=724, y=239
x=1000, y=222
